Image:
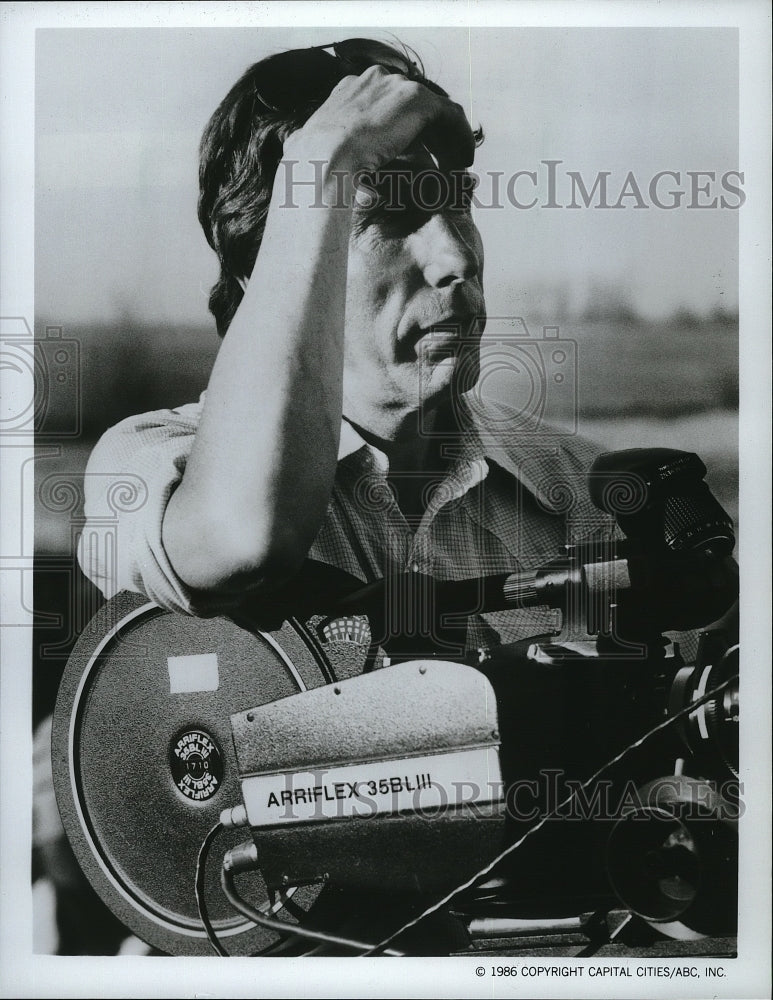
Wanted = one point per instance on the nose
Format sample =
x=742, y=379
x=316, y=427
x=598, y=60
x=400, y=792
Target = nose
x=447, y=253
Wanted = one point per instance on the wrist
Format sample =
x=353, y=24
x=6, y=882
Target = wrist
x=323, y=173
x=333, y=147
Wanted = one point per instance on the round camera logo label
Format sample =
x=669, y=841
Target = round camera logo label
x=196, y=764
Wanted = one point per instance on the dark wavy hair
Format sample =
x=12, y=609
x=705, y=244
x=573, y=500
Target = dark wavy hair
x=242, y=145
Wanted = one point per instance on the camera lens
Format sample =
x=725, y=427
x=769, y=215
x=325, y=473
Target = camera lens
x=695, y=519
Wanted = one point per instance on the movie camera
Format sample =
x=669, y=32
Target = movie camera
x=307, y=780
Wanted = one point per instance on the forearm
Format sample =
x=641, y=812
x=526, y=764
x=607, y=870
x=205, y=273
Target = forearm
x=258, y=481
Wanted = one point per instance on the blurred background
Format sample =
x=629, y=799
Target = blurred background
x=647, y=297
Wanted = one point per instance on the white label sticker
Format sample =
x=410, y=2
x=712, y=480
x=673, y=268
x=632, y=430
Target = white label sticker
x=197, y=672
x=411, y=784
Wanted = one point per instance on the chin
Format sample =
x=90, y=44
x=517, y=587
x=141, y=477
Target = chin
x=465, y=372
x=449, y=379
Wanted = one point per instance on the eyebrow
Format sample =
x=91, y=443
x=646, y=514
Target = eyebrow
x=424, y=189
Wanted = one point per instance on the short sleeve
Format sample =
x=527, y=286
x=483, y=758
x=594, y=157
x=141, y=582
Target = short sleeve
x=130, y=477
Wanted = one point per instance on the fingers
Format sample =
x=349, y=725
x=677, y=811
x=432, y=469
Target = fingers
x=447, y=132
x=354, y=81
x=380, y=113
x=450, y=137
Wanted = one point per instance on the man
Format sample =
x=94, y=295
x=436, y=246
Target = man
x=334, y=427
x=342, y=425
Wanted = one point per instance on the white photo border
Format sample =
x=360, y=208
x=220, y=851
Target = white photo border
x=25, y=975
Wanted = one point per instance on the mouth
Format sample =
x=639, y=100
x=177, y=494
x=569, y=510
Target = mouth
x=446, y=332
x=447, y=328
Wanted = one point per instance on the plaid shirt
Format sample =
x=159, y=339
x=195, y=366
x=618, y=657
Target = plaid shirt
x=511, y=494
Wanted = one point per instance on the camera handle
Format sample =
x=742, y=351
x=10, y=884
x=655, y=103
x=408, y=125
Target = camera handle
x=674, y=571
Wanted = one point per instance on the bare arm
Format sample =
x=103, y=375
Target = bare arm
x=258, y=480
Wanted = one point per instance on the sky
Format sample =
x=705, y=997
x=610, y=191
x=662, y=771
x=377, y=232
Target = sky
x=119, y=114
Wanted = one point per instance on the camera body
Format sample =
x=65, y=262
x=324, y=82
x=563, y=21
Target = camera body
x=583, y=772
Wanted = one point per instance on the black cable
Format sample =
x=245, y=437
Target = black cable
x=292, y=907
x=198, y=887
x=687, y=710
x=253, y=914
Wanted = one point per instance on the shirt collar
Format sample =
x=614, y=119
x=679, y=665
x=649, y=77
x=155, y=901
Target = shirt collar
x=464, y=438
x=492, y=432
x=351, y=441
x=469, y=466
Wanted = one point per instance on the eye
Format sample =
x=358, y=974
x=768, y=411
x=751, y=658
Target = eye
x=464, y=188
x=402, y=201
x=391, y=204
x=438, y=191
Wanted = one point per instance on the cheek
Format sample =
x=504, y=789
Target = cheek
x=375, y=282
x=363, y=288
x=476, y=242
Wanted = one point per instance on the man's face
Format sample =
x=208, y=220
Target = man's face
x=415, y=308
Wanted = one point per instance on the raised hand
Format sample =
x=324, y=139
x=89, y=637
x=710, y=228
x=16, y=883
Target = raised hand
x=369, y=120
